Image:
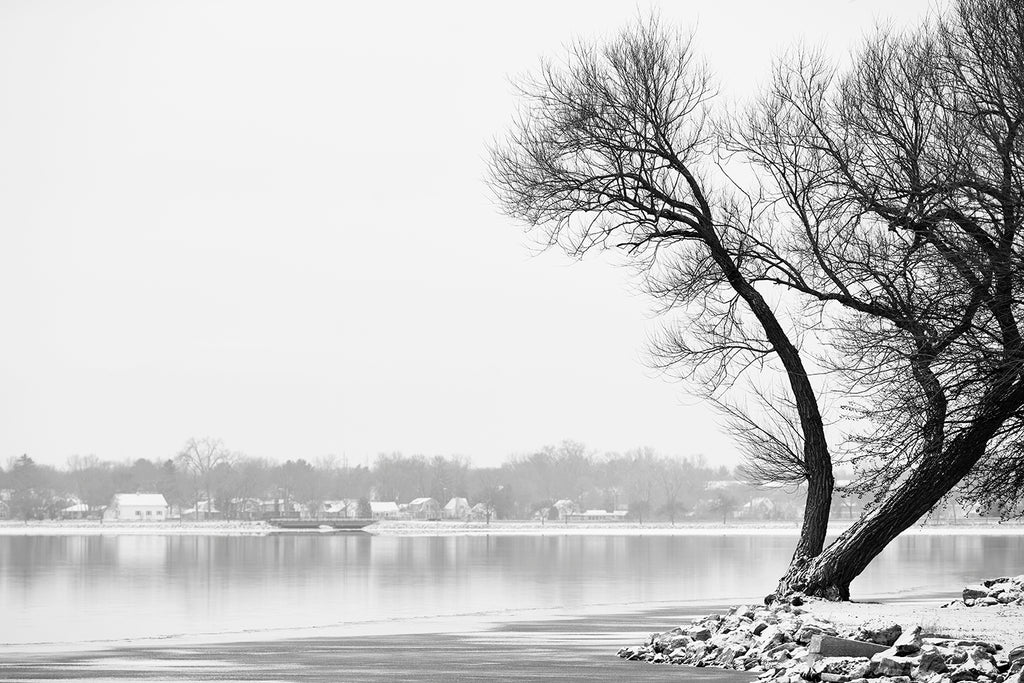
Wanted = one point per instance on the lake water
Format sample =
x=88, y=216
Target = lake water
x=60, y=591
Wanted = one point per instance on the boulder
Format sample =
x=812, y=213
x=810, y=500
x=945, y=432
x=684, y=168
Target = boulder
x=986, y=602
x=879, y=632
x=847, y=668
x=699, y=632
x=1016, y=654
x=932, y=661
x=975, y=591
x=833, y=646
x=1006, y=597
x=909, y=641
x=889, y=664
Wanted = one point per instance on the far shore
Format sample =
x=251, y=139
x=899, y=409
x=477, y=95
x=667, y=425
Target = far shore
x=456, y=528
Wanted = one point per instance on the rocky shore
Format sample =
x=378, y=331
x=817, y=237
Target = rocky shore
x=790, y=643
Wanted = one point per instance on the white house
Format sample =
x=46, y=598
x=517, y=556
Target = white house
x=599, y=516
x=384, y=509
x=424, y=508
x=136, y=507
x=456, y=508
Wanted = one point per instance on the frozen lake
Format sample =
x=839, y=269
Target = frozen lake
x=61, y=592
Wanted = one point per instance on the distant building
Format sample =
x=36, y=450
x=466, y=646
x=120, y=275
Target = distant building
x=598, y=516
x=80, y=511
x=456, y=508
x=566, y=508
x=202, y=511
x=384, y=509
x=424, y=508
x=347, y=508
x=136, y=507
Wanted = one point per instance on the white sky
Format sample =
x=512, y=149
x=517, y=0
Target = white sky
x=266, y=221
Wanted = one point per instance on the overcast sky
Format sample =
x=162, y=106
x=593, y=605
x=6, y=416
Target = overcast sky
x=266, y=221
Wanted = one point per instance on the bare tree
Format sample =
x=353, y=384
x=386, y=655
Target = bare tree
x=201, y=458
x=902, y=183
x=615, y=150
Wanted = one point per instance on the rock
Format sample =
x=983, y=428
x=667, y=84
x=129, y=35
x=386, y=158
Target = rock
x=975, y=591
x=833, y=646
x=759, y=627
x=909, y=642
x=932, y=661
x=1016, y=654
x=844, y=668
x=889, y=664
x=697, y=649
x=879, y=632
x=1006, y=597
x=979, y=658
x=699, y=633
x=986, y=602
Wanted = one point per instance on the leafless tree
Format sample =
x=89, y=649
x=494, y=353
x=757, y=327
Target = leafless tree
x=201, y=458
x=900, y=183
x=614, y=148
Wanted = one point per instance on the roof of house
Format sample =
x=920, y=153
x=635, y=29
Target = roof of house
x=422, y=501
x=383, y=506
x=456, y=503
x=140, y=499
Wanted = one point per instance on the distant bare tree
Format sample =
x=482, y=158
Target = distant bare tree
x=201, y=458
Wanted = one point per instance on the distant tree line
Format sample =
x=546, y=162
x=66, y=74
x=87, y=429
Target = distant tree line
x=650, y=485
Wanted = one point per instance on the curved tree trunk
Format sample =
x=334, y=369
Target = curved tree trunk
x=829, y=574
x=817, y=460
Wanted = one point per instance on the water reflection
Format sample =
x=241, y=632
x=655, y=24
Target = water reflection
x=73, y=589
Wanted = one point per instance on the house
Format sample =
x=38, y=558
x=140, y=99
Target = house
x=279, y=508
x=136, y=507
x=456, y=508
x=757, y=508
x=203, y=510
x=480, y=513
x=384, y=509
x=566, y=508
x=80, y=511
x=424, y=508
x=347, y=508
x=598, y=516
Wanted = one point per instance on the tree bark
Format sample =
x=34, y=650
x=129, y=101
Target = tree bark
x=817, y=460
x=829, y=574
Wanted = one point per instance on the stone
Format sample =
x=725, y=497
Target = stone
x=699, y=633
x=879, y=632
x=697, y=649
x=833, y=646
x=909, y=641
x=975, y=591
x=1006, y=597
x=811, y=629
x=986, y=602
x=889, y=664
x=980, y=659
x=1015, y=654
x=932, y=661
x=847, y=668
x=759, y=627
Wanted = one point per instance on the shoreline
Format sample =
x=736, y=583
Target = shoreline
x=451, y=528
